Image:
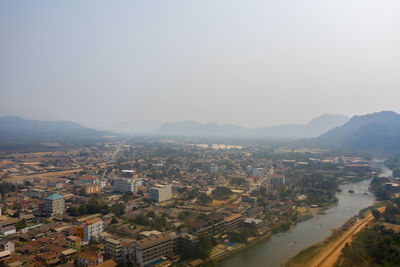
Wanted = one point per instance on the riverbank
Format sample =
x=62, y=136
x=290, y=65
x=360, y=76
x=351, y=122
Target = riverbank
x=326, y=253
x=279, y=248
x=306, y=214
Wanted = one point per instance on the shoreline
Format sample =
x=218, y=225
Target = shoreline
x=337, y=233
x=220, y=257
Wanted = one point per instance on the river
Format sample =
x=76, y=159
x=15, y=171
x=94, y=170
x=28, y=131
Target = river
x=277, y=250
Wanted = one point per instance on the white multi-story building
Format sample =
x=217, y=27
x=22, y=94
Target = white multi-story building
x=124, y=185
x=160, y=193
x=150, y=249
x=54, y=205
x=92, y=229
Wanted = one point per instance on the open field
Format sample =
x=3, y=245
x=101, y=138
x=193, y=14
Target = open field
x=48, y=176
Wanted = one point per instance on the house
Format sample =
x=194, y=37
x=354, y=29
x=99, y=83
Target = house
x=8, y=230
x=6, y=244
x=88, y=258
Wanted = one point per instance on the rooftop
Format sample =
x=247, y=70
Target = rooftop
x=54, y=196
x=153, y=240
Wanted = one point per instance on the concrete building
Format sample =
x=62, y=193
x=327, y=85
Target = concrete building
x=54, y=205
x=277, y=180
x=8, y=230
x=151, y=249
x=233, y=221
x=91, y=188
x=74, y=242
x=160, y=193
x=92, y=229
x=87, y=258
x=213, y=168
x=113, y=249
x=124, y=185
x=6, y=244
x=186, y=243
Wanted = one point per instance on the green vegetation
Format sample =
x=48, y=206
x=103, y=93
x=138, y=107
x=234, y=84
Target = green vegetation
x=152, y=220
x=373, y=247
x=204, y=199
x=96, y=205
x=203, y=248
x=221, y=193
x=20, y=224
x=319, y=189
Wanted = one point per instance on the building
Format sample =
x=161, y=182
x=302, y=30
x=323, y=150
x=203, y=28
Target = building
x=160, y=193
x=91, y=188
x=124, y=185
x=87, y=258
x=8, y=230
x=186, y=244
x=113, y=249
x=213, y=168
x=73, y=242
x=233, y=221
x=92, y=229
x=6, y=244
x=151, y=249
x=277, y=180
x=54, y=205
x=89, y=179
x=107, y=263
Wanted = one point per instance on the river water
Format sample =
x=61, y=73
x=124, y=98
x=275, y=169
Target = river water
x=277, y=250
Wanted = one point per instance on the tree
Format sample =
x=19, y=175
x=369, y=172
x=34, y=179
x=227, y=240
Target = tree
x=376, y=214
x=204, y=247
x=204, y=199
x=114, y=220
x=20, y=224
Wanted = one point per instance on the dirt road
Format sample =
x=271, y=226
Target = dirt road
x=330, y=255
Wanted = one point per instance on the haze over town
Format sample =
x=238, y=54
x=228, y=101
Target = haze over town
x=252, y=63
x=213, y=133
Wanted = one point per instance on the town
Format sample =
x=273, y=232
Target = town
x=160, y=202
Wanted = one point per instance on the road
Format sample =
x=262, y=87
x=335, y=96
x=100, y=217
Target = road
x=329, y=256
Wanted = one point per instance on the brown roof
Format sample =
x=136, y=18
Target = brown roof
x=90, y=255
x=153, y=240
x=107, y=263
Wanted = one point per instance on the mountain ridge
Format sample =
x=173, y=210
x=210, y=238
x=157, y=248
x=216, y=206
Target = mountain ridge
x=314, y=128
x=16, y=128
x=379, y=131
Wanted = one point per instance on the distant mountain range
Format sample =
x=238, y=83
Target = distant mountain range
x=14, y=129
x=375, y=132
x=314, y=128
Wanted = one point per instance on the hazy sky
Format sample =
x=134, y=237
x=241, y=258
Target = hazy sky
x=253, y=63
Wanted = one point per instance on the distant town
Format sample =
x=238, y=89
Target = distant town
x=160, y=202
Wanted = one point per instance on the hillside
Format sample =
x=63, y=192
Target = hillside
x=378, y=131
x=314, y=128
x=16, y=129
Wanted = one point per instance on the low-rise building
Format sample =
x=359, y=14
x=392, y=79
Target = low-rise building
x=87, y=258
x=73, y=242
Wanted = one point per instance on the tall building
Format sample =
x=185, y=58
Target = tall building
x=213, y=168
x=160, y=193
x=151, y=249
x=92, y=229
x=124, y=185
x=54, y=205
x=277, y=180
x=113, y=249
